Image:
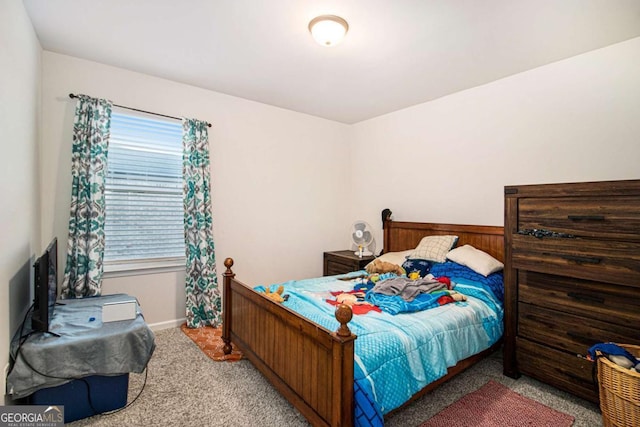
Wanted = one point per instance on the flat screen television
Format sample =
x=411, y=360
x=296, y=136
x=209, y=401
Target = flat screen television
x=45, y=287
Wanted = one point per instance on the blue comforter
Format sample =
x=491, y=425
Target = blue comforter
x=398, y=355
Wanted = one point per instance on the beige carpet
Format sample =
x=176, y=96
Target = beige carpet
x=187, y=388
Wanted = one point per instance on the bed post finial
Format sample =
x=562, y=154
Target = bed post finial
x=343, y=315
x=228, y=262
x=386, y=224
x=386, y=216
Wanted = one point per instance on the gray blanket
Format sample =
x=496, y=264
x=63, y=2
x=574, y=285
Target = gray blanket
x=406, y=288
x=85, y=347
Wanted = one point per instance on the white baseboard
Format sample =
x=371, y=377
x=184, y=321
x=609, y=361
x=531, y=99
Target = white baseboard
x=167, y=324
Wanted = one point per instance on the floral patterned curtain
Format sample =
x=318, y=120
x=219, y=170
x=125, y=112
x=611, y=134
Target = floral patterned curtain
x=85, y=247
x=203, y=296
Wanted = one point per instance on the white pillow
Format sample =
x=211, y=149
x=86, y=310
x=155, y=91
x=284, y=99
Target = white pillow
x=397, y=258
x=477, y=260
x=434, y=248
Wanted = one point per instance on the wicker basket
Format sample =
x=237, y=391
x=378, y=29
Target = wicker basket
x=619, y=392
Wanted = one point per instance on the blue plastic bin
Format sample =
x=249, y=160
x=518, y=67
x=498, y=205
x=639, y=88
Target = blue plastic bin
x=107, y=394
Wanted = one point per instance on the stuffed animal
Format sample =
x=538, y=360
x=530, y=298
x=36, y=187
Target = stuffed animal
x=277, y=295
x=617, y=354
x=348, y=299
x=378, y=266
x=457, y=296
x=414, y=275
x=352, y=299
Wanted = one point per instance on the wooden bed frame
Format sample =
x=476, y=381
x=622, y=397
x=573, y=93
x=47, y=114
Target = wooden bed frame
x=309, y=365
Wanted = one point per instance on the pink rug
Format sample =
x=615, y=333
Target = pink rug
x=494, y=405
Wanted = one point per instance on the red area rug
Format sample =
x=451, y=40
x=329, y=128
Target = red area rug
x=494, y=405
x=209, y=339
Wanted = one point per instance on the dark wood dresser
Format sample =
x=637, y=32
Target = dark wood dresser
x=572, y=278
x=340, y=262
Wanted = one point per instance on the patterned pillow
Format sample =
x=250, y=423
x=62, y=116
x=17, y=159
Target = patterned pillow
x=434, y=248
x=422, y=266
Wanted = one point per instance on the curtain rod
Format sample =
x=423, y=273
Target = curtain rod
x=73, y=96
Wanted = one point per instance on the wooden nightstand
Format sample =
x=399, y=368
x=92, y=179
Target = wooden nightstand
x=340, y=262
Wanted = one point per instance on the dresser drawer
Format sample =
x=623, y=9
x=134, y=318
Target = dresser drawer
x=616, y=218
x=604, y=261
x=568, y=332
x=557, y=368
x=613, y=304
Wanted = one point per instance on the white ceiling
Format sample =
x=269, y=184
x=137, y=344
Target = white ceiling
x=397, y=53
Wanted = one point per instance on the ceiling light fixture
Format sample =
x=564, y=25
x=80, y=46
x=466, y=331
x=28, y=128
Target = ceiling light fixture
x=328, y=30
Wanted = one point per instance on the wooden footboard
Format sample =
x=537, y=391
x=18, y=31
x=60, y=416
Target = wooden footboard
x=309, y=365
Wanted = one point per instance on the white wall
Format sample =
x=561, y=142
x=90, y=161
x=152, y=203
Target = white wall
x=448, y=160
x=287, y=185
x=20, y=56
x=280, y=178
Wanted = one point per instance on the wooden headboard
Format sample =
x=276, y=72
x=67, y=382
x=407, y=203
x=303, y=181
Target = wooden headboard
x=400, y=236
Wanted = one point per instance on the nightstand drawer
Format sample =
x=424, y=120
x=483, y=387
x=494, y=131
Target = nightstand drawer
x=614, y=218
x=334, y=267
x=334, y=270
x=341, y=262
x=614, y=304
x=605, y=261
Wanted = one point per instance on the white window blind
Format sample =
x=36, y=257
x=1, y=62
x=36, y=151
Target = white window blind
x=143, y=191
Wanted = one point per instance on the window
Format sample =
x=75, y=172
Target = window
x=143, y=194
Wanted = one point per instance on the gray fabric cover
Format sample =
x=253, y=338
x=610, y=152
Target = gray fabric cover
x=85, y=347
x=408, y=289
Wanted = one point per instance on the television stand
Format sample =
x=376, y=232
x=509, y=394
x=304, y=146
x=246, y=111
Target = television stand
x=79, y=347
